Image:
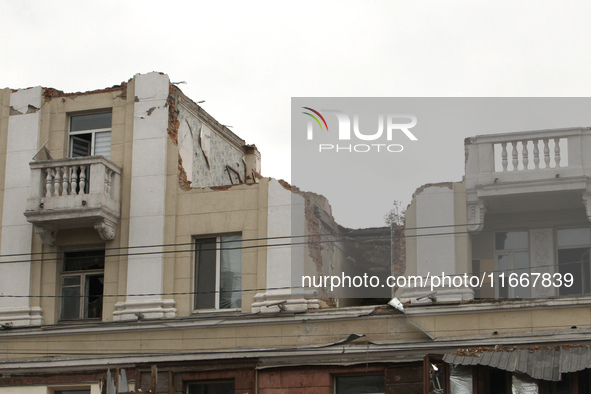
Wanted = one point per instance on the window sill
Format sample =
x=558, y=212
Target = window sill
x=216, y=311
x=79, y=321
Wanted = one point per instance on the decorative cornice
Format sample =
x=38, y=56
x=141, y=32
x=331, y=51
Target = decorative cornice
x=476, y=213
x=48, y=236
x=106, y=230
x=587, y=203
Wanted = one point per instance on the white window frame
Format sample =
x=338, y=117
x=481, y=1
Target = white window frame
x=92, y=132
x=82, y=274
x=218, y=275
x=512, y=269
x=578, y=246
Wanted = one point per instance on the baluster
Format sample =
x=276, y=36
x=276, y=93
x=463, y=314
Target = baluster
x=515, y=158
x=74, y=184
x=108, y=177
x=524, y=154
x=504, y=156
x=57, y=181
x=557, y=151
x=546, y=153
x=65, y=181
x=82, y=179
x=536, y=155
x=48, y=182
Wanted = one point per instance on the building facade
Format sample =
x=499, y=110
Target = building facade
x=518, y=224
x=141, y=249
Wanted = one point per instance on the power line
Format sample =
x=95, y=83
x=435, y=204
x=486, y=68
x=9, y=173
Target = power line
x=344, y=235
x=325, y=288
x=339, y=238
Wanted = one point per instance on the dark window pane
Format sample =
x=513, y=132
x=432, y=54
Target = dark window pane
x=84, y=260
x=205, y=282
x=90, y=122
x=368, y=384
x=231, y=272
x=71, y=280
x=576, y=262
x=94, y=296
x=70, y=303
x=80, y=145
x=212, y=388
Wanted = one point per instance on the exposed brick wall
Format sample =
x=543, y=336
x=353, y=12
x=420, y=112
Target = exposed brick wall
x=295, y=381
x=404, y=379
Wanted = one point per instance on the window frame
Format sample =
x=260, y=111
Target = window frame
x=510, y=253
x=218, y=276
x=92, y=132
x=83, y=286
x=558, y=248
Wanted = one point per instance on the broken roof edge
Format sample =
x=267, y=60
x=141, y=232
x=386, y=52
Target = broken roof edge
x=422, y=188
x=51, y=93
x=198, y=111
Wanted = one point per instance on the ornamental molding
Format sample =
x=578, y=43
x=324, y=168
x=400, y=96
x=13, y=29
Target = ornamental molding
x=476, y=213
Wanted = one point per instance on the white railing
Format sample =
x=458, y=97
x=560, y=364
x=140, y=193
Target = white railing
x=514, y=159
x=531, y=154
x=74, y=193
x=76, y=176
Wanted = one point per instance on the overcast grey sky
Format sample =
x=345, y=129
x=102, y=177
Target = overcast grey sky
x=247, y=59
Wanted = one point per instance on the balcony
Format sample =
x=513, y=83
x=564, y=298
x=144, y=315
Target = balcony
x=528, y=171
x=74, y=193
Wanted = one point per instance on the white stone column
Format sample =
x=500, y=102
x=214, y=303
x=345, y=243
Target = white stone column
x=286, y=217
x=17, y=234
x=147, y=202
x=436, y=248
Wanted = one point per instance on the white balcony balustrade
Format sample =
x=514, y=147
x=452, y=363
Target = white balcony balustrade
x=508, y=163
x=507, y=172
x=533, y=154
x=74, y=193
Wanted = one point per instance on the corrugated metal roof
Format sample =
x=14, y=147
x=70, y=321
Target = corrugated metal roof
x=545, y=364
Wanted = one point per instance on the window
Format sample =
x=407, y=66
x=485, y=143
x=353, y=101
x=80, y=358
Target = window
x=211, y=388
x=90, y=135
x=82, y=284
x=512, y=257
x=218, y=272
x=574, y=245
x=366, y=384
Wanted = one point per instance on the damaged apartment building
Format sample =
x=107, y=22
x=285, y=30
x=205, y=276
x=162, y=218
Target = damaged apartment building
x=519, y=223
x=141, y=250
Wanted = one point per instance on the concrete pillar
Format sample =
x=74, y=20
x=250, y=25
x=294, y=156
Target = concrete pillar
x=17, y=234
x=147, y=202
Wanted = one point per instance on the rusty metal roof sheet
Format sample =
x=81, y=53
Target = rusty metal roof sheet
x=539, y=363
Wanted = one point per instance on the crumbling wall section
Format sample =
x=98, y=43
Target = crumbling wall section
x=335, y=250
x=209, y=154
